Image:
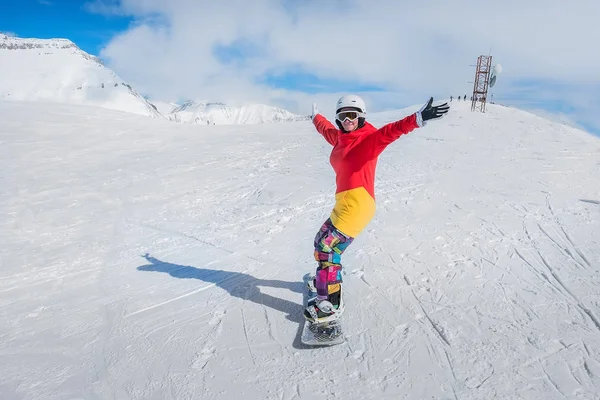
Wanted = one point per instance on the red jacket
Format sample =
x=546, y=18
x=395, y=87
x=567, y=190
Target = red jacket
x=354, y=159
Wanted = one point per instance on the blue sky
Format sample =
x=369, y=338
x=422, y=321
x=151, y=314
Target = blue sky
x=395, y=53
x=68, y=19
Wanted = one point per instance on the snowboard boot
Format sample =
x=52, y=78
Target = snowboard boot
x=311, y=284
x=330, y=309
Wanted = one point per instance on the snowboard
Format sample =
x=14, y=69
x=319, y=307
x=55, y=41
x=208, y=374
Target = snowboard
x=319, y=334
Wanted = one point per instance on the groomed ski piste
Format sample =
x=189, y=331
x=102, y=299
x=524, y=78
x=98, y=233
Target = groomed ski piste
x=142, y=259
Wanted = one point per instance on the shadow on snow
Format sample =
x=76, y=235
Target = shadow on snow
x=237, y=284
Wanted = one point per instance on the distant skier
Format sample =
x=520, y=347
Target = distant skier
x=356, y=147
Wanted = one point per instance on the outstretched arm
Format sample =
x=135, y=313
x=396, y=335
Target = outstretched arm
x=391, y=132
x=324, y=127
x=381, y=138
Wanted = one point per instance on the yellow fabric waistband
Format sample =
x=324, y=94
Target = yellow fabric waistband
x=353, y=211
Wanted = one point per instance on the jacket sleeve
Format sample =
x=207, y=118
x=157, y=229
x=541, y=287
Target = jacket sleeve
x=325, y=128
x=391, y=132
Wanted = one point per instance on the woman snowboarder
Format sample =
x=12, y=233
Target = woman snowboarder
x=356, y=147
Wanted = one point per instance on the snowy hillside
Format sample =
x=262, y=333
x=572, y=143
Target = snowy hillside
x=164, y=107
x=221, y=114
x=152, y=260
x=57, y=70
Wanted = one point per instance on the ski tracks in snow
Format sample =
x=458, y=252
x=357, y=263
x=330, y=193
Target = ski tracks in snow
x=486, y=298
x=474, y=281
x=208, y=350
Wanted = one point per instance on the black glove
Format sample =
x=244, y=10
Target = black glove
x=428, y=111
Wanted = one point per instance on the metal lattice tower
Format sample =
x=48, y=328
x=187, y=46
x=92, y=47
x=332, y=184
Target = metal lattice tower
x=480, y=88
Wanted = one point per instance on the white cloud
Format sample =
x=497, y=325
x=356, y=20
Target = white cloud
x=413, y=49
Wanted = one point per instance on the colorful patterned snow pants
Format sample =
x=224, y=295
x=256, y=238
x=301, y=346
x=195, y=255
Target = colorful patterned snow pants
x=330, y=243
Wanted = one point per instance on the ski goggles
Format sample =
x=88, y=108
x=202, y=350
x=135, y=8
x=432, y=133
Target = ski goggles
x=350, y=115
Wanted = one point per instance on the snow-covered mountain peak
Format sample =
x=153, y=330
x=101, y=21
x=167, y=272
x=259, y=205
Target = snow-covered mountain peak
x=57, y=70
x=15, y=43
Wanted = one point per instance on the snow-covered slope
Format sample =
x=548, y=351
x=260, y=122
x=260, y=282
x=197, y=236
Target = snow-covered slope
x=152, y=260
x=164, y=107
x=57, y=70
x=221, y=114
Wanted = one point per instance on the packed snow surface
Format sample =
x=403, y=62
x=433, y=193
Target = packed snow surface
x=142, y=259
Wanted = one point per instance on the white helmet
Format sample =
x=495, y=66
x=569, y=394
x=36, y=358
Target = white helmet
x=351, y=100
